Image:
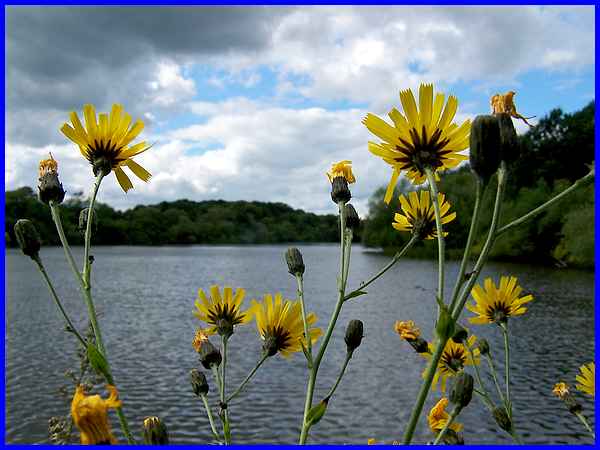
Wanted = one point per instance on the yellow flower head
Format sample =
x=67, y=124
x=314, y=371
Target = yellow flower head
x=341, y=169
x=420, y=138
x=561, y=390
x=221, y=312
x=279, y=323
x=90, y=415
x=407, y=330
x=105, y=142
x=373, y=441
x=419, y=214
x=505, y=103
x=48, y=166
x=586, y=379
x=496, y=304
x=438, y=417
x=199, y=339
x=454, y=358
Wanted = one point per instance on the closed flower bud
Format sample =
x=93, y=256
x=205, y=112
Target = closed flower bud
x=83, y=217
x=340, y=191
x=453, y=438
x=502, y=419
x=484, y=147
x=155, y=431
x=460, y=333
x=354, y=335
x=483, y=346
x=27, y=238
x=294, y=260
x=510, y=147
x=572, y=405
x=50, y=189
x=420, y=345
x=209, y=355
x=352, y=219
x=462, y=389
x=199, y=383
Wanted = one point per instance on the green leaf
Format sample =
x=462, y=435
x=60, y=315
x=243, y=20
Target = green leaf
x=98, y=361
x=354, y=294
x=316, y=413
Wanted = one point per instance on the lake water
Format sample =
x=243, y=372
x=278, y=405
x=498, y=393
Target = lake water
x=145, y=298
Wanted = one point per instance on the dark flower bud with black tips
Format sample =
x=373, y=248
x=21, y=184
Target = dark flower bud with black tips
x=484, y=146
x=294, y=261
x=155, y=431
x=510, y=146
x=419, y=344
x=354, y=335
x=199, y=383
x=483, y=346
x=209, y=355
x=460, y=333
x=340, y=191
x=502, y=419
x=50, y=188
x=83, y=217
x=27, y=238
x=462, y=389
x=352, y=219
x=453, y=438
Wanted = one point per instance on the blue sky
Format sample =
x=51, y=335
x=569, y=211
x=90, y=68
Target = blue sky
x=255, y=103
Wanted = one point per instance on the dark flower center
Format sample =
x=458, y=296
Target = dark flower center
x=454, y=359
x=423, y=151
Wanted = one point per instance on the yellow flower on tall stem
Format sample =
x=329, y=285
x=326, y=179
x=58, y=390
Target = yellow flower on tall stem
x=586, y=379
x=438, y=417
x=105, y=142
x=341, y=169
x=454, y=358
x=279, y=323
x=90, y=415
x=421, y=138
x=419, y=214
x=496, y=304
x=221, y=312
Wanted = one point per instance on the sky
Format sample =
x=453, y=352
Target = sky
x=256, y=103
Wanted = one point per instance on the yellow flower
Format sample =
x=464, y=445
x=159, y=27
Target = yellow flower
x=199, y=338
x=90, y=415
x=48, y=166
x=496, y=305
x=420, y=138
x=222, y=313
x=586, y=379
x=438, y=417
x=341, y=169
x=105, y=143
x=454, y=358
x=279, y=323
x=407, y=330
x=419, y=214
x=561, y=390
x=505, y=103
x=373, y=441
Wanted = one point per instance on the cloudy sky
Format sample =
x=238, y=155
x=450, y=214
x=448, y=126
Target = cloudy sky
x=255, y=103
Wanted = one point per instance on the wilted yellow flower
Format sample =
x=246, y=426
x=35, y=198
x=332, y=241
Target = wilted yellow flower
x=454, y=358
x=420, y=138
x=199, y=338
x=561, y=390
x=407, y=330
x=222, y=313
x=105, y=143
x=90, y=415
x=48, y=166
x=496, y=304
x=419, y=214
x=279, y=323
x=341, y=169
x=586, y=379
x=438, y=417
x=505, y=103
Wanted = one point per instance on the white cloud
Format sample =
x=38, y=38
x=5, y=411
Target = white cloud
x=170, y=86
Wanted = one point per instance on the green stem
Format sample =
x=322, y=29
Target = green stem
x=247, y=379
x=585, y=423
x=225, y=418
x=40, y=266
x=460, y=278
x=544, y=206
x=55, y=212
x=507, y=369
x=388, y=266
x=210, y=418
x=300, y=283
x=439, y=232
x=453, y=415
x=484, y=394
x=490, y=361
x=341, y=374
x=88, y=232
x=310, y=388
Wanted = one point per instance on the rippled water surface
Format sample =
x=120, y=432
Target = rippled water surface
x=145, y=298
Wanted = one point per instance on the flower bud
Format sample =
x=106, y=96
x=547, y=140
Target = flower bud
x=460, y=333
x=294, y=260
x=27, y=237
x=354, y=335
x=199, y=383
x=502, y=419
x=453, y=438
x=572, y=404
x=83, y=217
x=209, y=355
x=483, y=346
x=50, y=189
x=352, y=219
x=155, y=431
x=340, y=191
x=419, y=344
x=462, y=389
x=510, y=147
x=484, y=147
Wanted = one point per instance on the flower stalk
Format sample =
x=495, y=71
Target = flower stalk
x=453, y=415
x=300, y=283
x=439, y=232
x=210, y=418
x=248, y=378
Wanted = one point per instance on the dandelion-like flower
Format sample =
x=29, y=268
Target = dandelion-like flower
x=419, y=214
x=221, y=312
x=407, y=330
x=279, y=323
x=199, y=339
x=586, y=379
x=438, y=417
x=454, y=358
x=496, y=304
x=561, y=390
x=341, y=169
x=90, y=415
x=423, y=138
x=106, y=143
